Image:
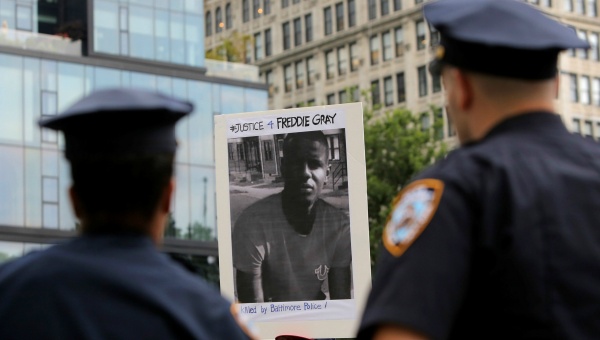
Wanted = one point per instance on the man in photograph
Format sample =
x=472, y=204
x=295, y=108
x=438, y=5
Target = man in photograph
x=294, y=246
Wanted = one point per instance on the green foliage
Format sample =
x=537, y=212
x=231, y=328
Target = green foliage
x=397, y=147
x=232, y=49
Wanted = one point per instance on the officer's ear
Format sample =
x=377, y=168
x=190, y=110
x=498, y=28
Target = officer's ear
x=463, y=84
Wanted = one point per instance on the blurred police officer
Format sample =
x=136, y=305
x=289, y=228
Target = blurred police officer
x=111, y=282
x=501, y=240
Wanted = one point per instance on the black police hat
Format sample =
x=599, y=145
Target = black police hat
x=506, y=38
x=120, y=121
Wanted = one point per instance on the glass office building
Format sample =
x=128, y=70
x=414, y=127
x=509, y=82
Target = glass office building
x=51, y=55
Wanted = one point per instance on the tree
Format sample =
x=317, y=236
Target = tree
x=398, y=145
x=232, y=48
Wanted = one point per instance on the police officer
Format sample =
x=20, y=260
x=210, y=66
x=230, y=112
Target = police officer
x=500, y=240
x=111, y=282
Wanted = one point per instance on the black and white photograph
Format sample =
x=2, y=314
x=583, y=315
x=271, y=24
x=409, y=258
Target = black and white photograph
x=289, y=214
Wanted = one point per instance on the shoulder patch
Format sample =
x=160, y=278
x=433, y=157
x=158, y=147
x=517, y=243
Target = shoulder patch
x=411, y=213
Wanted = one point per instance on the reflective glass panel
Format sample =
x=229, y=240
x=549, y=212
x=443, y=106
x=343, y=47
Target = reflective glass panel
x=11, y=99
x=106, y=26
x=11, y=186
x=141, y=39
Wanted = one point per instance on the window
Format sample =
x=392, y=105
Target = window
x=299, y=74
x=375, y=94
x=425, y=121
x=287, y=77
x=124, y=30
x=397, y=5
x=399, y=37
x=267, y=7
x=588, y=129
x=372, y=9
x=422, y=74
x=342, y=58
x=295, y=1
x=329, y=64
x=256, y=10
x=327, y=20
x=582, y=52
x=580, y=6
x=269, y=82
x=421, y=35
x=286, y=35
x=310, y=70
x=388, y=91
x=331, y=99
x=208, y=24
x=24, y=18
x=436, y=83
x=594, y=51
x=268, y=43
x=547, y=3
x=354, y=94
x=596, y=92
x=258, y=51
x=268, y=150
x=218, y=20
x=334, y=146
x=228, y=16
x=592, y=11
x=351, y=13
x=297, y=32
x=245, y=10
x=568, y=5
x=354, y=61
x=310, y=102
x=400, y=87
x=343, y=97
x=438, y=124
x=285, y=3
x=248, y=51
x=584, y=89
x=374, y=46
x=434, y=36
x=386, y=39
x=385, y=7
x=339, y=16
x=230, y=151
x=576, y=126
x=308, y=27
x=573, y=88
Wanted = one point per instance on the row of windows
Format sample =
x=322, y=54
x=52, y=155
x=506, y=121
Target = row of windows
x=584, y=89
x=297, y=22
x=545, y=3
x=349, y=95
x=594, y=52
x=588, y=129
x=219, y=24
x=297, y=69
x=339, y=16
x=145, y=32
x=384, y=7
x=583, y=7
x=390, y=97
x=258, y=46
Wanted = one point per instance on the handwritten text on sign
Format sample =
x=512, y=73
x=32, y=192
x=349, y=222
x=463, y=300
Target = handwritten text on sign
x=316, y=120
x=299, y=310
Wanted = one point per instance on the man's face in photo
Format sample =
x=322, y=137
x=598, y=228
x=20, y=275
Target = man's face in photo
x=305, y=169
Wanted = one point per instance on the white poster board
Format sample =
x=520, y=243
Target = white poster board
x=250, y=161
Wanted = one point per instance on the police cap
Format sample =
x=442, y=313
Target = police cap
x=507, y=38
x=120, y=121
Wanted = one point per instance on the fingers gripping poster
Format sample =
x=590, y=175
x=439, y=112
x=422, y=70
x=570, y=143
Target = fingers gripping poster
x=292, y=219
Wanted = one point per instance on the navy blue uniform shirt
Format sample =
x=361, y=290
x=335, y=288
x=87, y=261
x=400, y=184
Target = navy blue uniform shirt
x=512, y=247
x=109, y=287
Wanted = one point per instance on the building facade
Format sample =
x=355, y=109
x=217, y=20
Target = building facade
x=335, y=51
x=54, y=52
